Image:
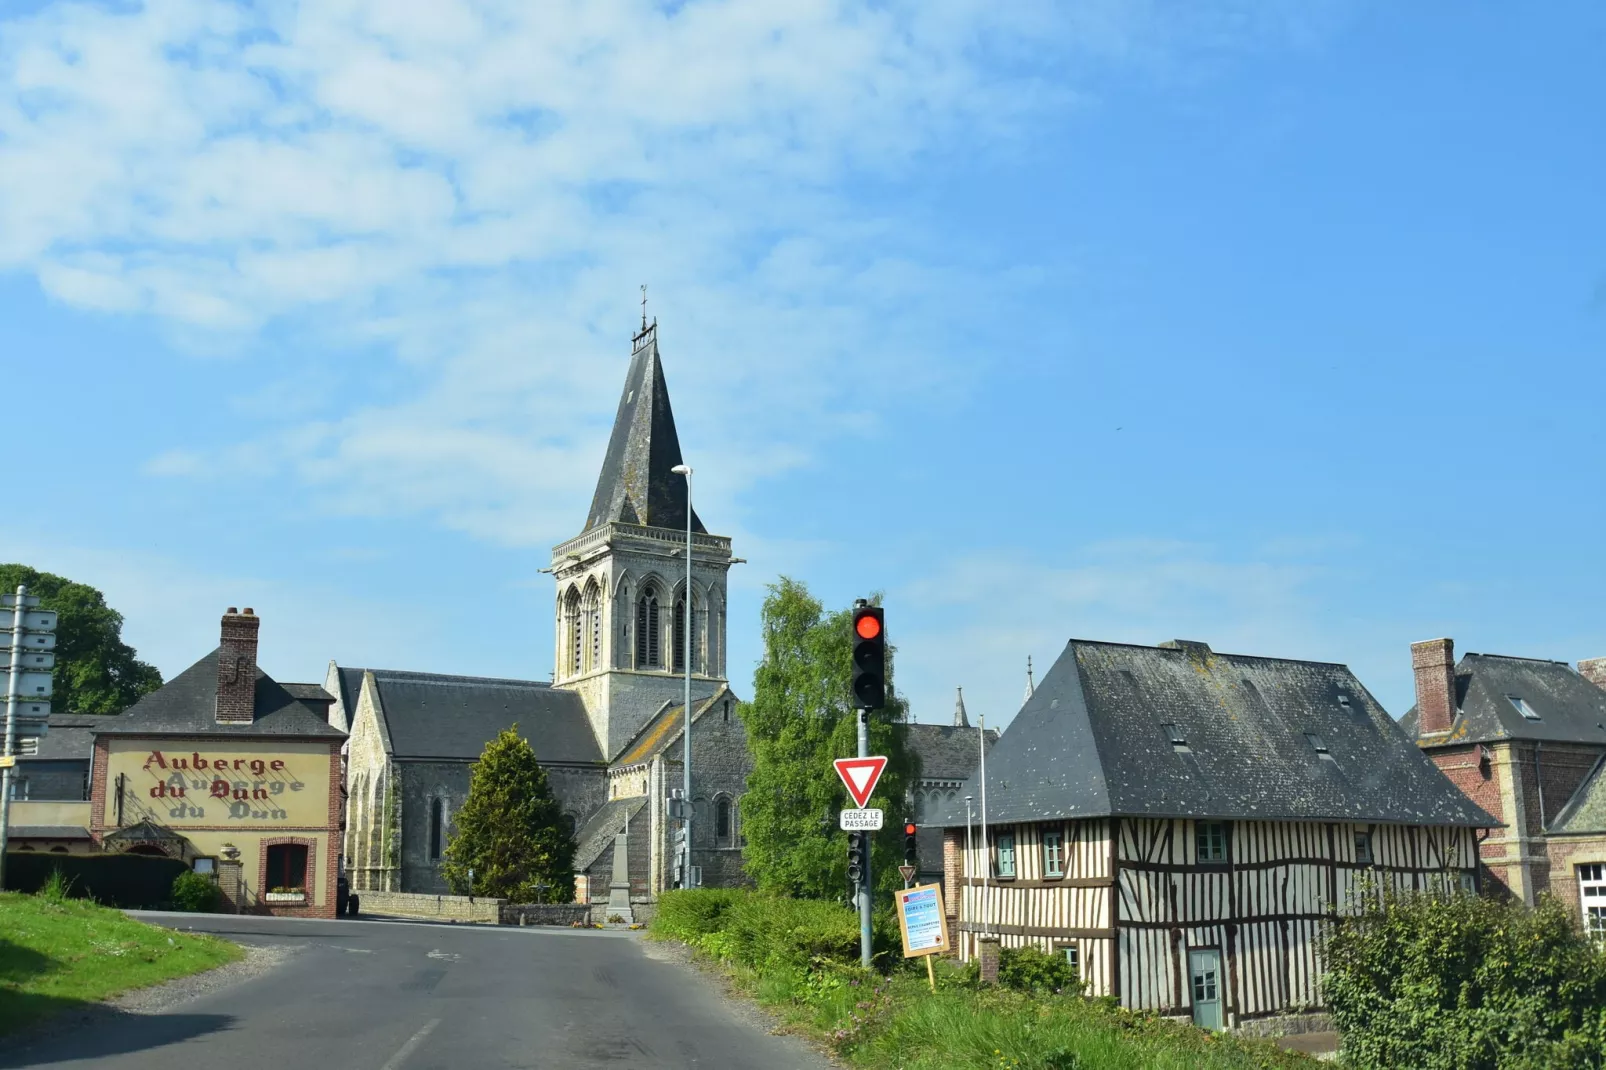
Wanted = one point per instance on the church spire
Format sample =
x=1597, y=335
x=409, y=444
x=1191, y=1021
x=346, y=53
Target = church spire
x=1030, y=687
x=636, y=485
x=961, y=720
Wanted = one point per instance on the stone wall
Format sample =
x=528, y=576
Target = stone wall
x=720, y=765
x=566, y=914
x=453, y=907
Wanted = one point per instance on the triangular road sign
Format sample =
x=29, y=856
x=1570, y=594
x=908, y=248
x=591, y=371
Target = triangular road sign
x=860, y=775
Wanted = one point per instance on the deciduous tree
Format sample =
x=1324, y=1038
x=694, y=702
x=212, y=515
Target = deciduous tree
x=800, y=719
x=510, y=833
x=96, y=672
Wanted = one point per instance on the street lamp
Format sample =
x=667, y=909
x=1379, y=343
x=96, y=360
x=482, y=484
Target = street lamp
x=685, y=788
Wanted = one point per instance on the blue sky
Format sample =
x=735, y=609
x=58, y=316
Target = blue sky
x=1278, y=326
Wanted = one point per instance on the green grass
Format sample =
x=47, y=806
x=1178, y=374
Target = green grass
x=58, y=953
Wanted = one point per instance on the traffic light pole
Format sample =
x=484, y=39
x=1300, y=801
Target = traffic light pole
x=864, y=884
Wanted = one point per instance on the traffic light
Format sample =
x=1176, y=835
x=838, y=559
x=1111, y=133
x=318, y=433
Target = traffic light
x=857, y=842
x=911, y=849
x=869, y=658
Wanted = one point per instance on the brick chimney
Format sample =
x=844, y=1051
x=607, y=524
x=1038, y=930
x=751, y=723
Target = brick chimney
x=237, y=667
x=1593, y=670
x=1433, y=661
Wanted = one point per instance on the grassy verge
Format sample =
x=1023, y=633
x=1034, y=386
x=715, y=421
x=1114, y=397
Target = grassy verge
x=57, y=954
x=895, y=1022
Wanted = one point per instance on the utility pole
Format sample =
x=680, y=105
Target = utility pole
x=870, y=693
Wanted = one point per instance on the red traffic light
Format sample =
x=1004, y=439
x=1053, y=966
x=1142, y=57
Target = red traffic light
x=868, y=626
x=909, y=829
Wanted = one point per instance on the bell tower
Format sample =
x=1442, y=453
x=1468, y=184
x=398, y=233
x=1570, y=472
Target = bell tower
x=621, y=632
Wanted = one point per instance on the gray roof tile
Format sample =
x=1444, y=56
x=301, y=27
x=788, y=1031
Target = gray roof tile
x=597, y=833
x=1091, y=742
x=187, y=705
x=947, y=752
x=436, y=716
x=1570, y=708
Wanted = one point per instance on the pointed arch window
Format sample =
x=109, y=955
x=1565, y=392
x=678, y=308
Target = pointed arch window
x=592, y=615
x=722, y=820
x=680, y=634
x=573, y=629
x=648, y=653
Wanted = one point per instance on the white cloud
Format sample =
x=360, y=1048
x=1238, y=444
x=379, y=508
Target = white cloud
x=476, y=186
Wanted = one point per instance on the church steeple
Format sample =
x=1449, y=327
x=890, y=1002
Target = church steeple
x=636, y=485
x=961, y=719
x=1030, y=686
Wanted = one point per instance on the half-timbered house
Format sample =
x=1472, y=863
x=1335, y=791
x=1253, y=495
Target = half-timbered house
x=1182, y=824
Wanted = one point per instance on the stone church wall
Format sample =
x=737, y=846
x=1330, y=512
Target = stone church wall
x=720, y=765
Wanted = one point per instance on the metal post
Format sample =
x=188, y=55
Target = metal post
x=965, y=870
x=865, y=885
x=986, y=845
x=686, y=876
x=13, y=689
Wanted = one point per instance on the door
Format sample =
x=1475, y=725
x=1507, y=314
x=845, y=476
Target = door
x=1205, y=969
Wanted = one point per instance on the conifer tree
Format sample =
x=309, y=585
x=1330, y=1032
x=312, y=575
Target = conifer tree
x=800, y=719
x=510, y=832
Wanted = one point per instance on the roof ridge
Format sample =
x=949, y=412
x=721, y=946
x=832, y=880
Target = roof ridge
x=1213, y=651
x=442, y=677
x=1515, y=657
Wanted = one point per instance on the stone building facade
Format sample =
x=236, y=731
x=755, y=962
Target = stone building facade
x=608, y=728
x=1524, y=738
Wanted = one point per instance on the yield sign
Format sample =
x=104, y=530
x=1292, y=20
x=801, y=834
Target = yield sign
x=860, y=775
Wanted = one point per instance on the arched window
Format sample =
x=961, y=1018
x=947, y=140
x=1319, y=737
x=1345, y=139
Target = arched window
x=572, y=629
x=437, y=831
x=722, y=820
x=680, y=634
x=593, y=617
x=648, y=654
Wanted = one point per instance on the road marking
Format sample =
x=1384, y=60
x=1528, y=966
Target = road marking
x=412, y=1044
x=439, y=954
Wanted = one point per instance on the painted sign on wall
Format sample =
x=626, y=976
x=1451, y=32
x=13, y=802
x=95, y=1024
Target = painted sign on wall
x=218, y=783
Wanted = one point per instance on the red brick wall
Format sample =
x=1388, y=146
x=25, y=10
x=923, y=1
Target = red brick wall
x=237, y=667
x=1433, y=664
x=952, y=869
x=1567, y=853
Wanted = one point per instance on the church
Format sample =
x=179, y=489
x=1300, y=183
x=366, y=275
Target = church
x=609, y=726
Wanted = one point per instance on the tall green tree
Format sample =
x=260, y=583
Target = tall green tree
x=510, y=833
x=800, y=720
x=96, y=672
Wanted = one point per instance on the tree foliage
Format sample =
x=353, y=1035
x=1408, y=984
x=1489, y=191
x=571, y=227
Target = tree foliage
x=800, y=719
x=1468, y=983
x=96, y=672
x=510, y=833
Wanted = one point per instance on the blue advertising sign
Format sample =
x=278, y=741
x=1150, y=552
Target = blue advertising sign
x=922, y=920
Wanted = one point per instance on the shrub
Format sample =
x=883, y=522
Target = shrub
x=128, y=881
x=1031, y=969
x=771, y=932
x=686, y=914
x=1433, y=981
x=57, y=887
x=195, y=892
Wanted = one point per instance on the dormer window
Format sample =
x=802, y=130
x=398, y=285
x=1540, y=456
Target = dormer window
x=1522, y=707
x=1319, y=745
x=1179, y=742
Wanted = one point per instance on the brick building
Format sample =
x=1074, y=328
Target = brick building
x=1524, y=739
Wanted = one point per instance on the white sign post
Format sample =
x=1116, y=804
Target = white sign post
x=28, y=684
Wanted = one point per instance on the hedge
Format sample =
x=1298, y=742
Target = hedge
x=128, y=881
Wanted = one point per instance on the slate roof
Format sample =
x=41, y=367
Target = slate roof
x=666, y=726
x=636, y=485
x=71, y=737
x=947, y=752
x=598, y=833
x=1570, y=708
x=1091, y=742
x=187, y=705
x=1585, y=812
x=436, y=716
x=308, y=693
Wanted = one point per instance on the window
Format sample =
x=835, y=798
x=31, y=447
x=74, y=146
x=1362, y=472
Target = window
x=19, y=789
x=1179, y=742
x=1363, y=848
x=1005, y=844
x=1054, y=854
x=647, y=624
x=287, y=867
x=722, y=819
x=437, y=822
x=1074, y=957
x=1210, y=841
x=207, y=866
x=680, y=635
x=572, y=628
x=1468, y=881
x=593, y=625
x=28, y=746
x=1592, y=896
x=1522, y=707
x=1319, y=745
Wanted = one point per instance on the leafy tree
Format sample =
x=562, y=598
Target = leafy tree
x=800, y=719
x=510, y=832
x=96, y=672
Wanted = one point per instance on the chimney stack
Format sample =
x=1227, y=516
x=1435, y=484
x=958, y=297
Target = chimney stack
x=1433, y=662
x=1593, y=670
x=237, y=667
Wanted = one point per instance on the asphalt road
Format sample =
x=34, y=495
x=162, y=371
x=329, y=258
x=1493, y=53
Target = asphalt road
x=378, y=995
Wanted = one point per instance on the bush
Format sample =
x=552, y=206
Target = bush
x=195, y=892
x=757, y=930
x=131, y=882
x=1031, y=969
x=686, y=914
x=1433, y=981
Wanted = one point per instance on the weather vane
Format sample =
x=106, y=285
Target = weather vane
x=643, y=306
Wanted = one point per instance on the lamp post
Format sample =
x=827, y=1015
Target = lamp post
x=685, y=786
